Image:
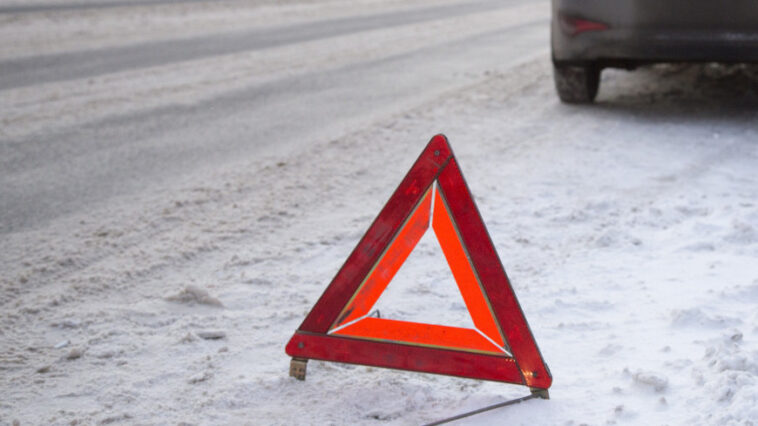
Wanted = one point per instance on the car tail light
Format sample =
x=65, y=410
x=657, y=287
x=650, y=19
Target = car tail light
x=572, y=25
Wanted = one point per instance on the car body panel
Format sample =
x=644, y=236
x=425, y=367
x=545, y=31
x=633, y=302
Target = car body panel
x=641, y=31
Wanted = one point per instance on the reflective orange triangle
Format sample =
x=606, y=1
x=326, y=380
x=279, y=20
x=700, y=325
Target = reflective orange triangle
x=354, y=320
x=500, y=347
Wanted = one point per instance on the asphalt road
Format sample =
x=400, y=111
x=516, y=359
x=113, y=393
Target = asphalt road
x=72, y=65
x=50, y=173
x=85, y=5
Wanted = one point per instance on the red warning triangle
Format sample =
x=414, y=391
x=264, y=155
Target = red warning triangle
x=340, y=328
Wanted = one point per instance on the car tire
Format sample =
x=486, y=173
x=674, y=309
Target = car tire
x=576, y=84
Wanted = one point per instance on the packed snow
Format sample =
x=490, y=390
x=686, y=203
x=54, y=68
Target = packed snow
x=629, y=230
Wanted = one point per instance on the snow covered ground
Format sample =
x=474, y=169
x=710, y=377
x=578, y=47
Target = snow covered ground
x=629, y=230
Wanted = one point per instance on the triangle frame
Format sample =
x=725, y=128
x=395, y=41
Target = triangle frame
x=339, y=327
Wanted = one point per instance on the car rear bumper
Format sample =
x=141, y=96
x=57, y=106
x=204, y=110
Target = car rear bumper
x=634, y=31
x=656, y=46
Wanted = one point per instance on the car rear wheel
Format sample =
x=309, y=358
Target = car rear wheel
x=576, y=84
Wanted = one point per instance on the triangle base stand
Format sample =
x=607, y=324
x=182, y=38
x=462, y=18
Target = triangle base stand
x=298, y=370
x=540, y=393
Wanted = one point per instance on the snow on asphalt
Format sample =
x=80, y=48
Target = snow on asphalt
x=29, y=110
x=629, y=230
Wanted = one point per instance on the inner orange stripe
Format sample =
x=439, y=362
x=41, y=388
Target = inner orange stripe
x=390, y=262
x=419, y=334
x=473, y=294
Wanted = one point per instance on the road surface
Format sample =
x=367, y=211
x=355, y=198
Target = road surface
x=52, y=167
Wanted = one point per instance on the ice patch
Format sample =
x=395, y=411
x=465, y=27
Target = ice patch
x=622, y=412
x=610, y=350
x=742, y=233
x=690, y=211
x=192, y=294
x=615, y=238
x=75, y=353
x=200, y=377
x=211, y=335
x=702, y=246
x=657, y=382
x=746, y=294
x=695, y=317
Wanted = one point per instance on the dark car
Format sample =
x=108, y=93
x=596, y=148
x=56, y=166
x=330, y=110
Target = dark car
x=589, y=35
